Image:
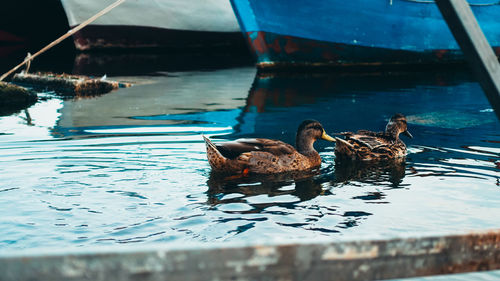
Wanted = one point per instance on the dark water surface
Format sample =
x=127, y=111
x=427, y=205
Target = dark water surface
x=130, y=166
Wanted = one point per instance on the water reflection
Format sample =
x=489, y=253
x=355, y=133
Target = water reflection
x=130, y=166
x=283, y=195
x=301, y=184
x=289, y=89
x=159, y=101
x=148, y=63
x=439, y=106
x=288, y=193
x=386, y=173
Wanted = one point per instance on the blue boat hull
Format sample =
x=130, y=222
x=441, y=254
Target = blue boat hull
x=355, y=32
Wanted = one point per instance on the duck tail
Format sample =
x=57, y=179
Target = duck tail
x=343, y=149
x=215, y=158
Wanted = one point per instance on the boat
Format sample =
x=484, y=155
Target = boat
x=356, y=33
x=154, y=24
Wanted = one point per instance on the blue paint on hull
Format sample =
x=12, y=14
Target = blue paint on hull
x=355, y=31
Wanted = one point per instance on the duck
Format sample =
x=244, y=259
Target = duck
x=367, y=146
x=268, y=156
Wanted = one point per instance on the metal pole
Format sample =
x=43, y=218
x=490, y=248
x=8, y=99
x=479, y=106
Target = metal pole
x=477, y=50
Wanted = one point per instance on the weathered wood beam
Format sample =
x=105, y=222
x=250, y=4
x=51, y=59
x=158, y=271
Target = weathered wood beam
x=475, y=46
x=347, y=260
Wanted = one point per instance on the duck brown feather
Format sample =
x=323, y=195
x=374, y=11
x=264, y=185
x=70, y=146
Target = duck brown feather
x=234, y=148
x=366, y=145
x=266, y=156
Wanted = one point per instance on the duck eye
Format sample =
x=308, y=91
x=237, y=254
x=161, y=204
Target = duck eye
x=315, y=127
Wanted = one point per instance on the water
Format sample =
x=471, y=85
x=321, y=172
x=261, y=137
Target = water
x=130, y=166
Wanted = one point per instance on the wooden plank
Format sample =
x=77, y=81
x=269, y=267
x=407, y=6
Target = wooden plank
x=475, y=46
x=343, y=260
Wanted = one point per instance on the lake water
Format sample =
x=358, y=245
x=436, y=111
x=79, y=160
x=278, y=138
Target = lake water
x=130, y=166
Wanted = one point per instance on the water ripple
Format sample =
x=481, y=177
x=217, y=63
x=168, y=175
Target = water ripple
x=137, y=171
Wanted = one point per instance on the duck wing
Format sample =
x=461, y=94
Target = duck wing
x=367, y=146
x=367, y=139
x=370, y=133
x=235, y=148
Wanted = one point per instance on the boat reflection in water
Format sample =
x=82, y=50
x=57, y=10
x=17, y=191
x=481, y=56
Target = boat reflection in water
x=150, y=63
x=158, y=104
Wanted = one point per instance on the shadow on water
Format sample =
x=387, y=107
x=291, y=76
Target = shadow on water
x=388, y=173
x=282, y=195
x=305, y=186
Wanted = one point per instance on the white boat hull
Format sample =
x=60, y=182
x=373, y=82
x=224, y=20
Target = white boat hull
x=154, y=23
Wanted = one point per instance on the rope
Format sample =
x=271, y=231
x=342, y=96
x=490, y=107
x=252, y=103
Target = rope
x=471, y=4
x=28, y=64
x=68, y=34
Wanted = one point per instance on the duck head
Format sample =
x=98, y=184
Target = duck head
x=308, y=132
x=397, y=125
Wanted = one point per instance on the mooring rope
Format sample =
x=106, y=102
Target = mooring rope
x=68, y=34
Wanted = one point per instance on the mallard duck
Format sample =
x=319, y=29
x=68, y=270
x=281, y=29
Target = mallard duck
x=266, y=156
x=371, y=146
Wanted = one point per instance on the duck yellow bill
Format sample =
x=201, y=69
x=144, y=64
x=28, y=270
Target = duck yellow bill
x=325, y=136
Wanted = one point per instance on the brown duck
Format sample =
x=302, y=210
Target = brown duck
x=373, y=146
x=266, y=156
